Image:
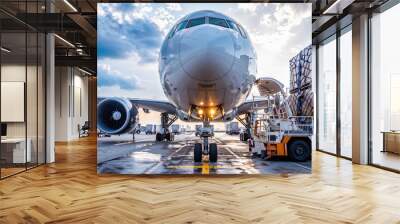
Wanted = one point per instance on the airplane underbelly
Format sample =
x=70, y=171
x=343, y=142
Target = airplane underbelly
x=185, y=91
x=223, y=93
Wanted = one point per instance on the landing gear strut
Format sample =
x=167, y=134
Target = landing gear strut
x=246, y=122
x=164, y=133
x=206, y=148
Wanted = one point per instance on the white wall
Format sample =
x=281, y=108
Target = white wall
x=33, y=125
x=71, y=102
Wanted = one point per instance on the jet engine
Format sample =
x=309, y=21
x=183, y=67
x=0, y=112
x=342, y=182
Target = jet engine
x=183, y=115
x=116, y=116
x=230, y=115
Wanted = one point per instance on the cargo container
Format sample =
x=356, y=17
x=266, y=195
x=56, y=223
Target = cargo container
x=176, y=129
x=232, y=128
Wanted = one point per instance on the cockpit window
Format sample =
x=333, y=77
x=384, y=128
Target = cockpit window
x=218, y=22
x=172, y=32
x=242, y=32
x=176, y=28
x=233, y=26
x=238, y=28
x=181, y=25
x=196, y=22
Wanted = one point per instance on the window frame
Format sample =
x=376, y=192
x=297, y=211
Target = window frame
x=235, y=27
x=220, y=19
x=190, y=20
x=242, y=31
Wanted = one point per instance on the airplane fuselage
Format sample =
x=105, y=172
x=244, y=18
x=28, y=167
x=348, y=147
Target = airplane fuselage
x=207, y=65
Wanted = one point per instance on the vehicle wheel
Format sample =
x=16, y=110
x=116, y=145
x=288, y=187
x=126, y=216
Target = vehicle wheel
x=198, y=153
x=168, y=136
x=263, y=154
x=299, y=150
x=213, y=153
x=159, y=137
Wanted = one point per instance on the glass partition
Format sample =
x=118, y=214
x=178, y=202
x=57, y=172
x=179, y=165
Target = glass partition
x=385, y=89
x=346, y=93
x=13, y=94
x=41, y=97
x=327, y=96
x=31, y=97
x=22, y=101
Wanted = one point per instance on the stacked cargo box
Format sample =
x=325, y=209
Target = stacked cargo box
x=301, y=96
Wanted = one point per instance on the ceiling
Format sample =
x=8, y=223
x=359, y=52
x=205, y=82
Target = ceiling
x=75, y=21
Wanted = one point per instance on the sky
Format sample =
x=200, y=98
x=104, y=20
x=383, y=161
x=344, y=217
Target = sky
x=130, y=36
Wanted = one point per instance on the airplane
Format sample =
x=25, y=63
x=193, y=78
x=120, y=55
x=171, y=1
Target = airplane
x=207, y=67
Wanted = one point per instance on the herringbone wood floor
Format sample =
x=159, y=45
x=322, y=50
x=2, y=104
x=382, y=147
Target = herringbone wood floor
x=70, y=191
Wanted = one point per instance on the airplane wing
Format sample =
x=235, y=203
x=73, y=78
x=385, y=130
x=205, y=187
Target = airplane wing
x=266, y=86
x=250, y=105
x=154, y=105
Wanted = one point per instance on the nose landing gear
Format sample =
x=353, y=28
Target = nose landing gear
x=206, y=148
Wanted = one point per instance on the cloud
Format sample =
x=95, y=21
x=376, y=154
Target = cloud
x=130, y=36
x=174, y=6
x=122, y=33
x=248, y=7
x=111, y=78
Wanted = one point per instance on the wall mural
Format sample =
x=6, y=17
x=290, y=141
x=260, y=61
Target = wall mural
x=194, y=88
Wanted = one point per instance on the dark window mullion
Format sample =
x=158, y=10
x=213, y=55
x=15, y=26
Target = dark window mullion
x=338, y=93
x=316, y=97
x=26, y=87
x=37, y=91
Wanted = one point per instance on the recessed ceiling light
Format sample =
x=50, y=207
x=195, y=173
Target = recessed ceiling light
x=338, y=6
x=84, y=71
x=64, y=40
x=5, y=50
x=70, y=5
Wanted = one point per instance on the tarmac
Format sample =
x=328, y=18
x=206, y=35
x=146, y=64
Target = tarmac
x=122, y=155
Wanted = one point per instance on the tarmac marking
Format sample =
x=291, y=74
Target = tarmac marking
x=176, y=151
x=231, y=152
x=205, y=169
x=227, y=148
x=161, y=162
x=123, y=143
x=204, y=166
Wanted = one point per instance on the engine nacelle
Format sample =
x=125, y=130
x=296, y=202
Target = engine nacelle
x=183, y=115
x=116, y=116
x=230, y=115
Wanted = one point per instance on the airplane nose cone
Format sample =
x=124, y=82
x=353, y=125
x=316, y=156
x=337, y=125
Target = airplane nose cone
x=207, y=52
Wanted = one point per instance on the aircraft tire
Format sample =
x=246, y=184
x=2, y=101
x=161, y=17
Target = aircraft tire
x=159, y=137
x=213, y=153
x=198, y=153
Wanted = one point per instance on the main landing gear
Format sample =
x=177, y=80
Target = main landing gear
x=164, y=133
x=206, y=148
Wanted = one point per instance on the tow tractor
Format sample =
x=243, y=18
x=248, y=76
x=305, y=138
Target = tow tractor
x=275, y=131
